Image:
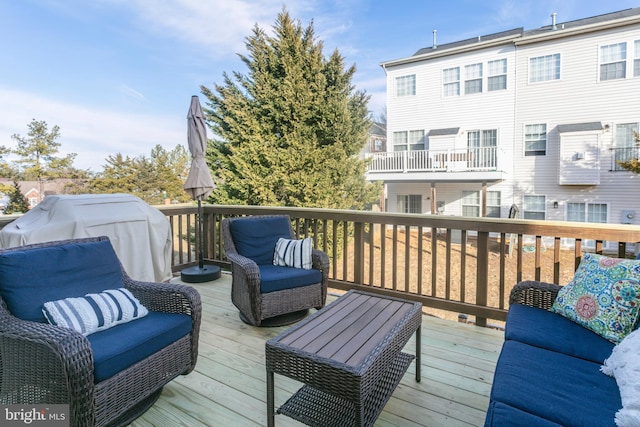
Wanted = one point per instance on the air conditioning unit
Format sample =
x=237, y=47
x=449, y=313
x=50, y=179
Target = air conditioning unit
x=628, y=217
x=579, y=155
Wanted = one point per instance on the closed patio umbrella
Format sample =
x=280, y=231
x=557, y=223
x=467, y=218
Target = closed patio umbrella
x=198, y=185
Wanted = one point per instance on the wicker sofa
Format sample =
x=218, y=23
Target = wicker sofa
x=548, y=373
x=109, y=377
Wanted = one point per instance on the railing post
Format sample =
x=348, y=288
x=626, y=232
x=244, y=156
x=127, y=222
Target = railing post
x=482, y=274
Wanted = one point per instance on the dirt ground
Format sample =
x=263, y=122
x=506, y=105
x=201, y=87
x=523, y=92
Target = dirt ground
x=456, y=287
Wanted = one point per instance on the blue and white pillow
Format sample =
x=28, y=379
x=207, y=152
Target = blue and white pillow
x=294, y=253
x=94, y=312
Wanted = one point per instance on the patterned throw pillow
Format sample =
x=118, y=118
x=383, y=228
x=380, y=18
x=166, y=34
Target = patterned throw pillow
x=294, y=253
x=603, y=296
x=94, y=312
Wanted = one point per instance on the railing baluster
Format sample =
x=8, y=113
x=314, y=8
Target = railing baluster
x=434, y=261
x=358, y=252
x=407, y=259
x=420, y=257
x=395, y=258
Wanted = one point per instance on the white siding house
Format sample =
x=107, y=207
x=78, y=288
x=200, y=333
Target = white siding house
x=531, y=118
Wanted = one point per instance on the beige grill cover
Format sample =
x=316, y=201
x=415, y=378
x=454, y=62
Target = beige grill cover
x=139, y=233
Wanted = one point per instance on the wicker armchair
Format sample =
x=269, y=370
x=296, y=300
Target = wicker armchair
x=280, y=307
x=45, y=364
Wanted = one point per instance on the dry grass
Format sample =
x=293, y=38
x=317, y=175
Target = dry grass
x=452, y=284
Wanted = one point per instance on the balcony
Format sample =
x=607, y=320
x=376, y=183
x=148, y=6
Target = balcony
x=463, y=165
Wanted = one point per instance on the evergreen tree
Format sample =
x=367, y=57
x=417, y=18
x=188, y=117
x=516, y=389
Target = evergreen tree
x=149, y=178
x=6, y=170
x=18, y=203
x=292, y=128
x=38, y=151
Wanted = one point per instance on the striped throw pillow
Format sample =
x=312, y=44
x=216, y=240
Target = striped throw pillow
x=94, y=312
x=294, y=253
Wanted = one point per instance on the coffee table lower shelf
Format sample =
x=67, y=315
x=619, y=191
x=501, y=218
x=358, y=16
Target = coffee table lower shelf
x=320, y=409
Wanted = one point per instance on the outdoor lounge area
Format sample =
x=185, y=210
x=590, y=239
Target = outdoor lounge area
x=460, y=270
x=228, y=385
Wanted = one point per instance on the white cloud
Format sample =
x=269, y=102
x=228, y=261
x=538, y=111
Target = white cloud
x=131, y=92
x=220, y=26
x=92, y=133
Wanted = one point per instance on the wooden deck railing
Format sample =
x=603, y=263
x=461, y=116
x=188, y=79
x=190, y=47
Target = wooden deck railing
x=463, y=265
x=456, y=264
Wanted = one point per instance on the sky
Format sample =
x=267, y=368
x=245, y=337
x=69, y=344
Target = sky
x=117, y=76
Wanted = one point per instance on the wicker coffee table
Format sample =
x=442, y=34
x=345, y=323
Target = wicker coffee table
x=349, y=356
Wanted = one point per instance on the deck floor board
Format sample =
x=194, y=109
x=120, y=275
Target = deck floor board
x=228, y=385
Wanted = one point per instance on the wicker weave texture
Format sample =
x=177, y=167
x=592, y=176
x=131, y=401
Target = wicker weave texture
x=360, y=390
x=534, y=293
x=42, y=363
x=245, y=282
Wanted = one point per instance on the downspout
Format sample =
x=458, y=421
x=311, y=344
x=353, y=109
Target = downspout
x=515, y=115
x=383, y=196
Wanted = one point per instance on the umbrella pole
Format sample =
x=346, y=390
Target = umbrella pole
x=200, y=236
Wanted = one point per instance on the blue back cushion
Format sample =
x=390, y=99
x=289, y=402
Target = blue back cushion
x=544, y=329
x=255, y=238
x=29, y=278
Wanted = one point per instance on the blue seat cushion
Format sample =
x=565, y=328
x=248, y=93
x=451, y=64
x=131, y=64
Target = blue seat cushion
x=502, y=415
x=255, y=238
x=277, y=278
x=32, y=277
x=542, y=328
x=117, y=348
x=562, y=389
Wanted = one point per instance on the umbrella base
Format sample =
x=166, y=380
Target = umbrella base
x=199, y=275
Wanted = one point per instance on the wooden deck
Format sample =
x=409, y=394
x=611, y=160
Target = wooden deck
x=228, y=386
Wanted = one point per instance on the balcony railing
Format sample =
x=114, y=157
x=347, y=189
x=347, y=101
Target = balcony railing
x=451, y=264
x=453, y=160
x=623, y=154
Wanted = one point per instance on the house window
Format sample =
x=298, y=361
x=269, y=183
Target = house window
x=473, y=79
x=416, y=140
x=544, y=68
x=625, y=134
x=378, y=145
x=613, y=61
x=411, y=203
x=471, y=203
x=484, y=138
x=625, y=148
x=497, y=79
x=636, y=61
x=451, y=79
x=493, y=204
x=406, y=85
x=400, y=141
x=481, y=145
x=587, y=212
x=534, y=207
x=535, y=140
